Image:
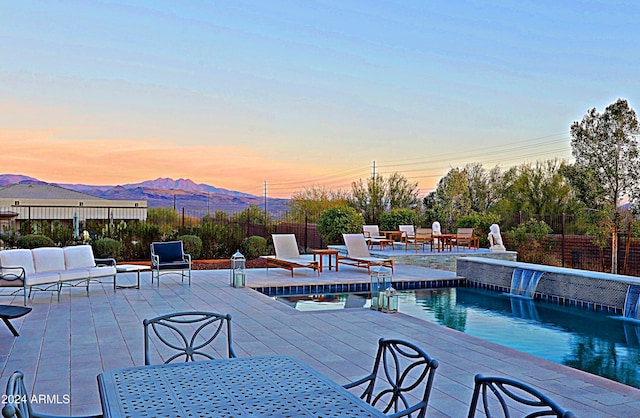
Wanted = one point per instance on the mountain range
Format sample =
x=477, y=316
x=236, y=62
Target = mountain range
x=167, y=192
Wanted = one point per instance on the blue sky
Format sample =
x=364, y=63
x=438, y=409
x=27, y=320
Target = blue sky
x=302, y=93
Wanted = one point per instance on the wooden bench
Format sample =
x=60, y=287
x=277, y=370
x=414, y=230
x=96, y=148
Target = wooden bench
x=8, y=312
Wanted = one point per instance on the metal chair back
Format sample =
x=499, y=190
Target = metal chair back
x=187, y=336
x=401, y=372
x=501, y=397
x=18, y=402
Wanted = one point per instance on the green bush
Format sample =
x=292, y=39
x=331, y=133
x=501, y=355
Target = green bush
x=530, y=241
x=254, y=247
x=192, y=245
x=339, y=220
x=34, y=241
x=480, y=222
x=106, y=248
x=389, y=221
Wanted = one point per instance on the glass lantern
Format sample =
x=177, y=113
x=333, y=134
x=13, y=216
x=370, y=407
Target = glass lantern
x=390, y=300
x=380, y=281
x=238, y=270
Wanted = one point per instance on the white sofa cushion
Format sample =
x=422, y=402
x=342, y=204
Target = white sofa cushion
x=102, y=271
x=17, y=258
x=76, y=274
x=42, y=278
x=78, y=257
x=47, y=259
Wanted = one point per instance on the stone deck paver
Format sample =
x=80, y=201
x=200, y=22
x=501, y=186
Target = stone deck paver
x=64, y=345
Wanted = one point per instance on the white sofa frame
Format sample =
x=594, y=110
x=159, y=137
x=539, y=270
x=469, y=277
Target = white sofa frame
x=50, y=268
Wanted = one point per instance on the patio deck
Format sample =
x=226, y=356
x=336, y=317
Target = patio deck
x=64, y=345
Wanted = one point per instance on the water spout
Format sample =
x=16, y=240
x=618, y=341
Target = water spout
x=632, y=302
x=524, y=282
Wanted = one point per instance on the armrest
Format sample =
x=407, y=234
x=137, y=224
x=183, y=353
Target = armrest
x=105, y=262
x=155, y=260
x=187, y=258
x=13, y=276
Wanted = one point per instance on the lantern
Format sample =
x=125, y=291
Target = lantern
x=238, y=270
x=390, y=300
x=380, y=281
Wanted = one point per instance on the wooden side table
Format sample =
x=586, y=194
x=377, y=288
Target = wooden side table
x=329, y=253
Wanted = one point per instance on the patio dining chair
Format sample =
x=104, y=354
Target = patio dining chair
x=18, y=402
x=502, y=397
x=188, y=336
x=403, y=371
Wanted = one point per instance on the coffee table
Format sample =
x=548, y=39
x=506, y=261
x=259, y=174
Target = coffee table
x=129, y=268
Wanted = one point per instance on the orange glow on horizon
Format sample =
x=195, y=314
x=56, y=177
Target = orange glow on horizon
x=120, y=161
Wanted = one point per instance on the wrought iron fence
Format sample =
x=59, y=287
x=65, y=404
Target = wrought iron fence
x=222, y=233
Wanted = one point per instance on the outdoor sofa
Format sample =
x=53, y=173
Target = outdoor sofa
x=49, y=268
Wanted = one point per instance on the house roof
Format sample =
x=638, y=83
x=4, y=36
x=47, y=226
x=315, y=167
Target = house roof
x=43, y=191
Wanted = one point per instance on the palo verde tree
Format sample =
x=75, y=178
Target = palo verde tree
x=537, y=189
x=314, y=200
x=607, y=163
x=379, y=194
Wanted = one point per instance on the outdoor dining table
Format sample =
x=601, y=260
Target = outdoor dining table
x=265, y=386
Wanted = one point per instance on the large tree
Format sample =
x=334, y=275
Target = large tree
x=450, y=200
x=314, y=200
x=537, y=189
x=607, y=163
x=378, y=194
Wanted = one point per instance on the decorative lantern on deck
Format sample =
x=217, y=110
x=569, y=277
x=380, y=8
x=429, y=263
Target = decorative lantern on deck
x=390, y=300
x=238, y=270
x=380, y=281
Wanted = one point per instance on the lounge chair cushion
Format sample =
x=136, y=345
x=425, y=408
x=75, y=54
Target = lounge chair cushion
x=170, y=252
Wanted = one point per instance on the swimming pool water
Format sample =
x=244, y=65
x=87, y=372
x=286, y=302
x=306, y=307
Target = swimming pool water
x=586, y=340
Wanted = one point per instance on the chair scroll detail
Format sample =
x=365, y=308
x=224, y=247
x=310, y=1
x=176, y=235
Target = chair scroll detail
x=187, y=335
x=405, y=369
x=18, y=401
x=500, y=396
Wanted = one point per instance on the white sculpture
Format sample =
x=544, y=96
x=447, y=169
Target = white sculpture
x=495, y=239
x=435, y=229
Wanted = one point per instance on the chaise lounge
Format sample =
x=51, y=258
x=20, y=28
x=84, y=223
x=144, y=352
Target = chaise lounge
x=358, y=254
x=287, y=254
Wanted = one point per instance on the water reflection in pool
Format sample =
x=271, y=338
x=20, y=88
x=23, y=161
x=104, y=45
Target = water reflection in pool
x=582, y=339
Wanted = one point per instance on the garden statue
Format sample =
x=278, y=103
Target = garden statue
x=435, y=229
x=495, y=239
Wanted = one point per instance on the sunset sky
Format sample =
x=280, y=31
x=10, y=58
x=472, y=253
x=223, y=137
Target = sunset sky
x=302, y=93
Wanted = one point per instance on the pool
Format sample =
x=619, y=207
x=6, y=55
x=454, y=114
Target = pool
x=586, y=340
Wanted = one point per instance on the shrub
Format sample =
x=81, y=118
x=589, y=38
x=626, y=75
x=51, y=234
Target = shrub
x=192, y=245
x=254, y=247
x=530, y=241
x=389, y=221
x=106, y=248
x=34, y=241
x=339, y=220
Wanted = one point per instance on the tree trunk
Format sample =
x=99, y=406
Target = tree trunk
x=614, y=251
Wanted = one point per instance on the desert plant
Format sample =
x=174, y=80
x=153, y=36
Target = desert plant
x=530, y=241
x=106, y=248
x=337, y=221
x=254, y=247
x=34, y=241
x=389, y=221
x=192, y=245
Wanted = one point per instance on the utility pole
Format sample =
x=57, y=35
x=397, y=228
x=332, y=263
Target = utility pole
x=265, y=198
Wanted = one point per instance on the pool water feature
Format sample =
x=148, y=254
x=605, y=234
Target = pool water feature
x=524, y=282
x=583, y=339
x=632, y=303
